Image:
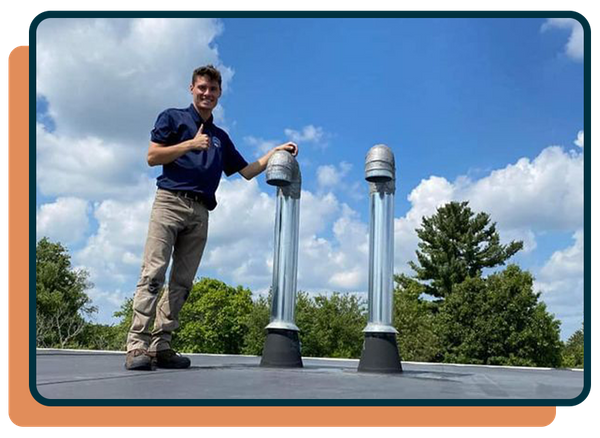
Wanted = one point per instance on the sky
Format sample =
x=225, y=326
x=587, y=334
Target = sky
x=484, y=110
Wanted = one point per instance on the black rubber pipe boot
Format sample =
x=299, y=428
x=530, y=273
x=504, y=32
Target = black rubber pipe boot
x=282, y=349
x=380, y=354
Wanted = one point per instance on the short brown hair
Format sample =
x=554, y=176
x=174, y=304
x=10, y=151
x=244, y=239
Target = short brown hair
x=207, y=70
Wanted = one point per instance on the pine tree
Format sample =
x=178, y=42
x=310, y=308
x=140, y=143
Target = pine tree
x=456, y=244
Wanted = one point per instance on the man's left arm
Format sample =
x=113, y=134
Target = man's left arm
x=253, y=169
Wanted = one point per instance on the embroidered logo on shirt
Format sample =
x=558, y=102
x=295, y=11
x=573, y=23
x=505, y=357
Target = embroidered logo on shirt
x=216, y=142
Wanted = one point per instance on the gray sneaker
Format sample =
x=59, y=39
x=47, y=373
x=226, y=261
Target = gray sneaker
x=138, y=360
x=170, y=359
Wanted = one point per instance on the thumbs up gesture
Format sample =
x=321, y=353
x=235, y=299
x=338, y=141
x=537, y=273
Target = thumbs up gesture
x=201, y=141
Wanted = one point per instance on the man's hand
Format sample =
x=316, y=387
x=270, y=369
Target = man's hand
x=253, y=169
x=160, y=154
x=201, y=141
x=292, y=148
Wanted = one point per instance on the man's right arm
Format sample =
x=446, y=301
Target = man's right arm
x=162, y=154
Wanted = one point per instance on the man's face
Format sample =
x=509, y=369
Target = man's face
x=205, y=93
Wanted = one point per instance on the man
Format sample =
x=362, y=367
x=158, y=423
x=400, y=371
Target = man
x=193, y=152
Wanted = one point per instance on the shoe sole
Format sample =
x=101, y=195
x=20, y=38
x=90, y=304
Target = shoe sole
x=142, y=367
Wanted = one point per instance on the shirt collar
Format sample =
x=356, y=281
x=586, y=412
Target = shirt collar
x=198, y=118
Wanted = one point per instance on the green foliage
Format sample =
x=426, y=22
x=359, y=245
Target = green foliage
x=214, y=319
x=498, y=320
x=110, y=337
x=573, y=350
x=256, y=321
x=101, y=337
x=331, y=326
x=494, y=320
x=61, y=301
x=415, y=322
x=456, y=244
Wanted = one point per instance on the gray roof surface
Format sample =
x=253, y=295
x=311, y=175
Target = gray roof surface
x=67, y=374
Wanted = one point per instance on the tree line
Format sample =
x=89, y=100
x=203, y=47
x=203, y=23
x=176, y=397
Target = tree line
x=448, y=311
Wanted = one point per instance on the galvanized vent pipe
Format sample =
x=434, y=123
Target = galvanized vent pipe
x=282, y=344
x=380, y=350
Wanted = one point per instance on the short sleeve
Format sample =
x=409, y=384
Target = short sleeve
x=163, y=129
x=232, y=160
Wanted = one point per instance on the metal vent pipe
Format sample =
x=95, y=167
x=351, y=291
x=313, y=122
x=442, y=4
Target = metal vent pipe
x=282, y=344
x=380, y=350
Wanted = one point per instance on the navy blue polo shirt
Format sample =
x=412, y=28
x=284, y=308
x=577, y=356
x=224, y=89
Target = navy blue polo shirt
x=195, y=171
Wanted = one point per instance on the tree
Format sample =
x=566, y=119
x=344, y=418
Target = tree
x=415, y=322
x=61, y=301
x=256, y=321
x=213, y=319
x=109, y=337
x=100, y=337
x=573, y=350
x=498, y=321
x=122, y=329
x=331, y=326
x=456, y=244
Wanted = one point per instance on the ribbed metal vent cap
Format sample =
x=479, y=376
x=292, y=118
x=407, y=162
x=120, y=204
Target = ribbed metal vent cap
x=280, y=169
x=379, y=164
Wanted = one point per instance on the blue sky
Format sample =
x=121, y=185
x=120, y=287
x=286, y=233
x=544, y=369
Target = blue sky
x=485, y=110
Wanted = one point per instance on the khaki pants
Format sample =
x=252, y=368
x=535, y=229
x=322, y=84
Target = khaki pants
x=178, y=228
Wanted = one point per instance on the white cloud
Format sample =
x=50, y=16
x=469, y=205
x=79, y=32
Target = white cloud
x=260, y=145
x=240, y=230
x=240, y=245
x=308, y=134
x=574, y=47
x=425, y=199
x=579, y=140
x=114, y=298
x=107, y=302
x=105, y=81
x=330, y=176
x=353, y=255
x=561, y=282
x=113, y=254
x=317, y=212
x=65, y=220
x=339, y=263
x=89, y=167
x=543, y=194
x=110, y=78
x=525, y=198
x=564, y=264
x=526, y=235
